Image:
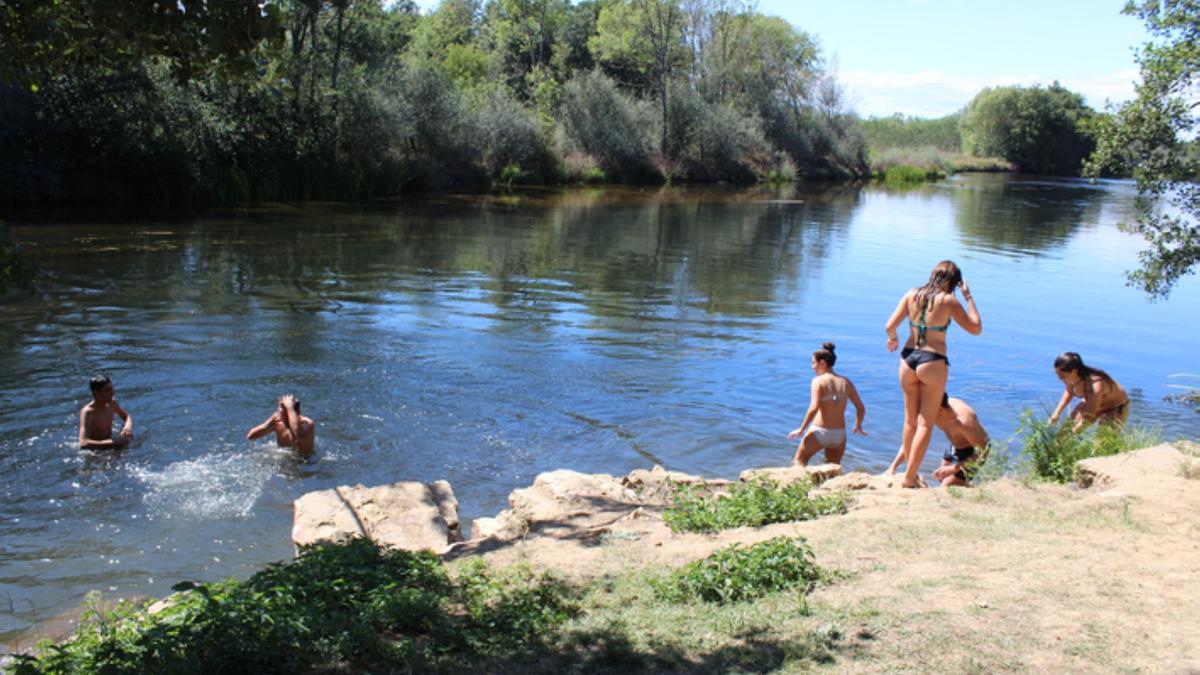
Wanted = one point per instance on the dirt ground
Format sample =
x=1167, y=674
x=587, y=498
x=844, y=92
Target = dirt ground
x=1008, y=576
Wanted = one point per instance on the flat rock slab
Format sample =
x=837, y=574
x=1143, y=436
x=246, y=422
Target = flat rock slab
x=786, y=475
x=407, y=515
x=1102, y=472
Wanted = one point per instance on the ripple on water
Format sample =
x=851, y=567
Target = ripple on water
x=220, y=484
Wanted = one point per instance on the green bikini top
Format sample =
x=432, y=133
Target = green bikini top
x=922, y=328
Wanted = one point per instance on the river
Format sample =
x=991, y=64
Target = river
x=485, y=339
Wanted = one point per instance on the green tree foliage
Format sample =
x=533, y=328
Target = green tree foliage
x=46, y=38
x=298, y=99
x=899, y=131
x=1040, y=129
x=1153, y=136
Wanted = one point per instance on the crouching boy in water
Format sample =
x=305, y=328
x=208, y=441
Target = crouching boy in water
x=968, y=443
x=96, y=418
x=827, y=411
x=291, y=429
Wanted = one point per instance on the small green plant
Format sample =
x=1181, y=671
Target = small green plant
x=752, y=504
x=1053, y=451
x=511, y=173
x=734, y=573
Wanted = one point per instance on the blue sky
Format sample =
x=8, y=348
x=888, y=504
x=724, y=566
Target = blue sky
x=930, y=57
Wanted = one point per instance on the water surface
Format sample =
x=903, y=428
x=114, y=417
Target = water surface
x=486, y=339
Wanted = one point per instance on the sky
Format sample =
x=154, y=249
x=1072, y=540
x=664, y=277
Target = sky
x=928, y=58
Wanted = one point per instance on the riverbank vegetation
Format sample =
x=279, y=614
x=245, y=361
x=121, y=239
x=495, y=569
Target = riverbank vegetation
x=747, y=504
x=359, y=607
x=1051, y=452
x=357, y=99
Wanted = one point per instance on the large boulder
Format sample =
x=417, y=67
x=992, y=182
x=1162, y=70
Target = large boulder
x=407, y=515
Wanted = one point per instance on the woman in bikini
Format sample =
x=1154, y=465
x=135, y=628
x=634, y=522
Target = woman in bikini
x=827, y=411
x=924, y=367
x=1103, y=398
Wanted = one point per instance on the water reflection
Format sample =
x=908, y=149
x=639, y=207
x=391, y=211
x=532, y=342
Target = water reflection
x=1029, y=216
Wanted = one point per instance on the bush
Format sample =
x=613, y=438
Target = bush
x=509, y=135
x=733, y=574
x=609, y=125
x=752, y=504
x=1053, y=451
x=351, y=607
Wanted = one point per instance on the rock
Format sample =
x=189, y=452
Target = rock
x=504, y=526
x=786, y=475
x=323, y=516
x=656, y=486
x=861, y=480
x=1105, y=471
x=563, y=494
x=407, y=515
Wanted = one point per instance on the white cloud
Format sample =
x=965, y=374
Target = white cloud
x=934, y=93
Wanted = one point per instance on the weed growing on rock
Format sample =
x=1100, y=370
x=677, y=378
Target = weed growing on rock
x=353, y=607
x=734, y=573
x=752, y=504
x=1054, y=451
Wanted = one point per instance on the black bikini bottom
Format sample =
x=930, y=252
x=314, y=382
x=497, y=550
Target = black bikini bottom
x=915, y=357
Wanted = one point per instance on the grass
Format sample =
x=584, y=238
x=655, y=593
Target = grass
x=930, y=159
x=357, y=608
x=752, y=504
x=1053, y=451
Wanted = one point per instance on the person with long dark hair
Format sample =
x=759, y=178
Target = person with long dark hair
x=924, y=367
x=827, y=411
x=1104, y=399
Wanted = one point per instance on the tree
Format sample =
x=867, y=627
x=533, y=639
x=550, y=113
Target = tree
x=40, y=39
x=648, y=35
x=1149, y=137
x=1040, y=129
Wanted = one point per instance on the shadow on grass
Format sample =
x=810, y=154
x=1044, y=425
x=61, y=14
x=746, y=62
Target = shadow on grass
x=610, y=649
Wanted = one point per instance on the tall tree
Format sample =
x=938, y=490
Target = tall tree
x=648, y=35
x=1154, y=137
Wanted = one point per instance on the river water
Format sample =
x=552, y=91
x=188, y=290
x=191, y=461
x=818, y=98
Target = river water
x=486, y=339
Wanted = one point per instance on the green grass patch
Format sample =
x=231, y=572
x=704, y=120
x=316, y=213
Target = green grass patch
x=735, y=574
x=751, y=504
x=1053, y=451
x=904, y=173
x=353, y=607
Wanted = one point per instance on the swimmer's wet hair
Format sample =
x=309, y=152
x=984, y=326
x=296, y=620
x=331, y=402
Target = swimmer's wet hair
x=825, y=353
x=945, y=400
x=97, y=382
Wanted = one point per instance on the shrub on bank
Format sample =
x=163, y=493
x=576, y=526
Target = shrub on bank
x=734, y=573
x=1053, y=451
x=351, y=607
x=751, y=504
x=612, y=127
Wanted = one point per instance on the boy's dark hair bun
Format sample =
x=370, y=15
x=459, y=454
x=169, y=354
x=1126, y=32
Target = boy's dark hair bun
x=828, y=345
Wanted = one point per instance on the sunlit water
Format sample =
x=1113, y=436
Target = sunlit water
x=486, y=339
